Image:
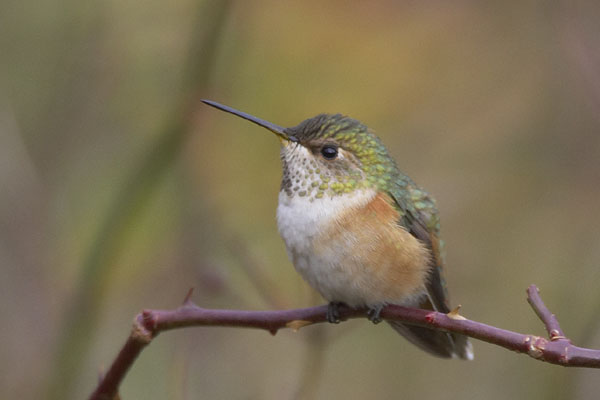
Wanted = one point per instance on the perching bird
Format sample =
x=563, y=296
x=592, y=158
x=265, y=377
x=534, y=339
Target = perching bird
x=357, y=229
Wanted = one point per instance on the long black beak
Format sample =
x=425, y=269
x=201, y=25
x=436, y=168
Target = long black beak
x=276, y=129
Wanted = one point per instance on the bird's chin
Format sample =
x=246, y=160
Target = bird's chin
x=284, y=142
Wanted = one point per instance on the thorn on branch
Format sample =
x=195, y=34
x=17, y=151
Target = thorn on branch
x=188, y=298
x=295, y=325
x=455, y=315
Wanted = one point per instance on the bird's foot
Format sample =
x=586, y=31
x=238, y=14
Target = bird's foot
x=333, y=312
x=374, y=313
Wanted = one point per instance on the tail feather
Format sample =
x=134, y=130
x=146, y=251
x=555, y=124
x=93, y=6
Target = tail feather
x=438, y=343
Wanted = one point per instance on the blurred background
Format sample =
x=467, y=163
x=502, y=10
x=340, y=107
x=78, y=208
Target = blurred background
x=120, y=191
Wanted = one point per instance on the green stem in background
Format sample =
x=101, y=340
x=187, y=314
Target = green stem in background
x=130, y=202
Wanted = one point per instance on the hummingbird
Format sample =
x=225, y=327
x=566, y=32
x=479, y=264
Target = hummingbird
x=356, y=228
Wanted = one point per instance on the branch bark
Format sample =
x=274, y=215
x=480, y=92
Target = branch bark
x=557, y=349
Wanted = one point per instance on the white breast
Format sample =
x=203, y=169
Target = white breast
x=300, y=221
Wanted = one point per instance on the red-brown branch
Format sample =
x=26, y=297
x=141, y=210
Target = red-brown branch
x=149, y=323
x=549, y=319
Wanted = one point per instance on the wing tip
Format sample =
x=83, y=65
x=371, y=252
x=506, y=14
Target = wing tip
x=465, y=352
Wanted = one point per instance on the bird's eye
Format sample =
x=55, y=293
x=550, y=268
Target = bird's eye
x=329, y=152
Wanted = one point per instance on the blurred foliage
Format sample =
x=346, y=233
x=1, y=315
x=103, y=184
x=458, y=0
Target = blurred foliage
x=119, y=191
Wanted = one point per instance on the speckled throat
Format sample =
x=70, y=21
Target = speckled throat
x=305, y=176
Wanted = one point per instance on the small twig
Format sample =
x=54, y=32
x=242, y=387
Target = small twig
x=149, y=323
x=549, y=319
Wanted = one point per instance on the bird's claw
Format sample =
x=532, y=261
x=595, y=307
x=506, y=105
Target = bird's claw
x=374, y=314
x=333, y=312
